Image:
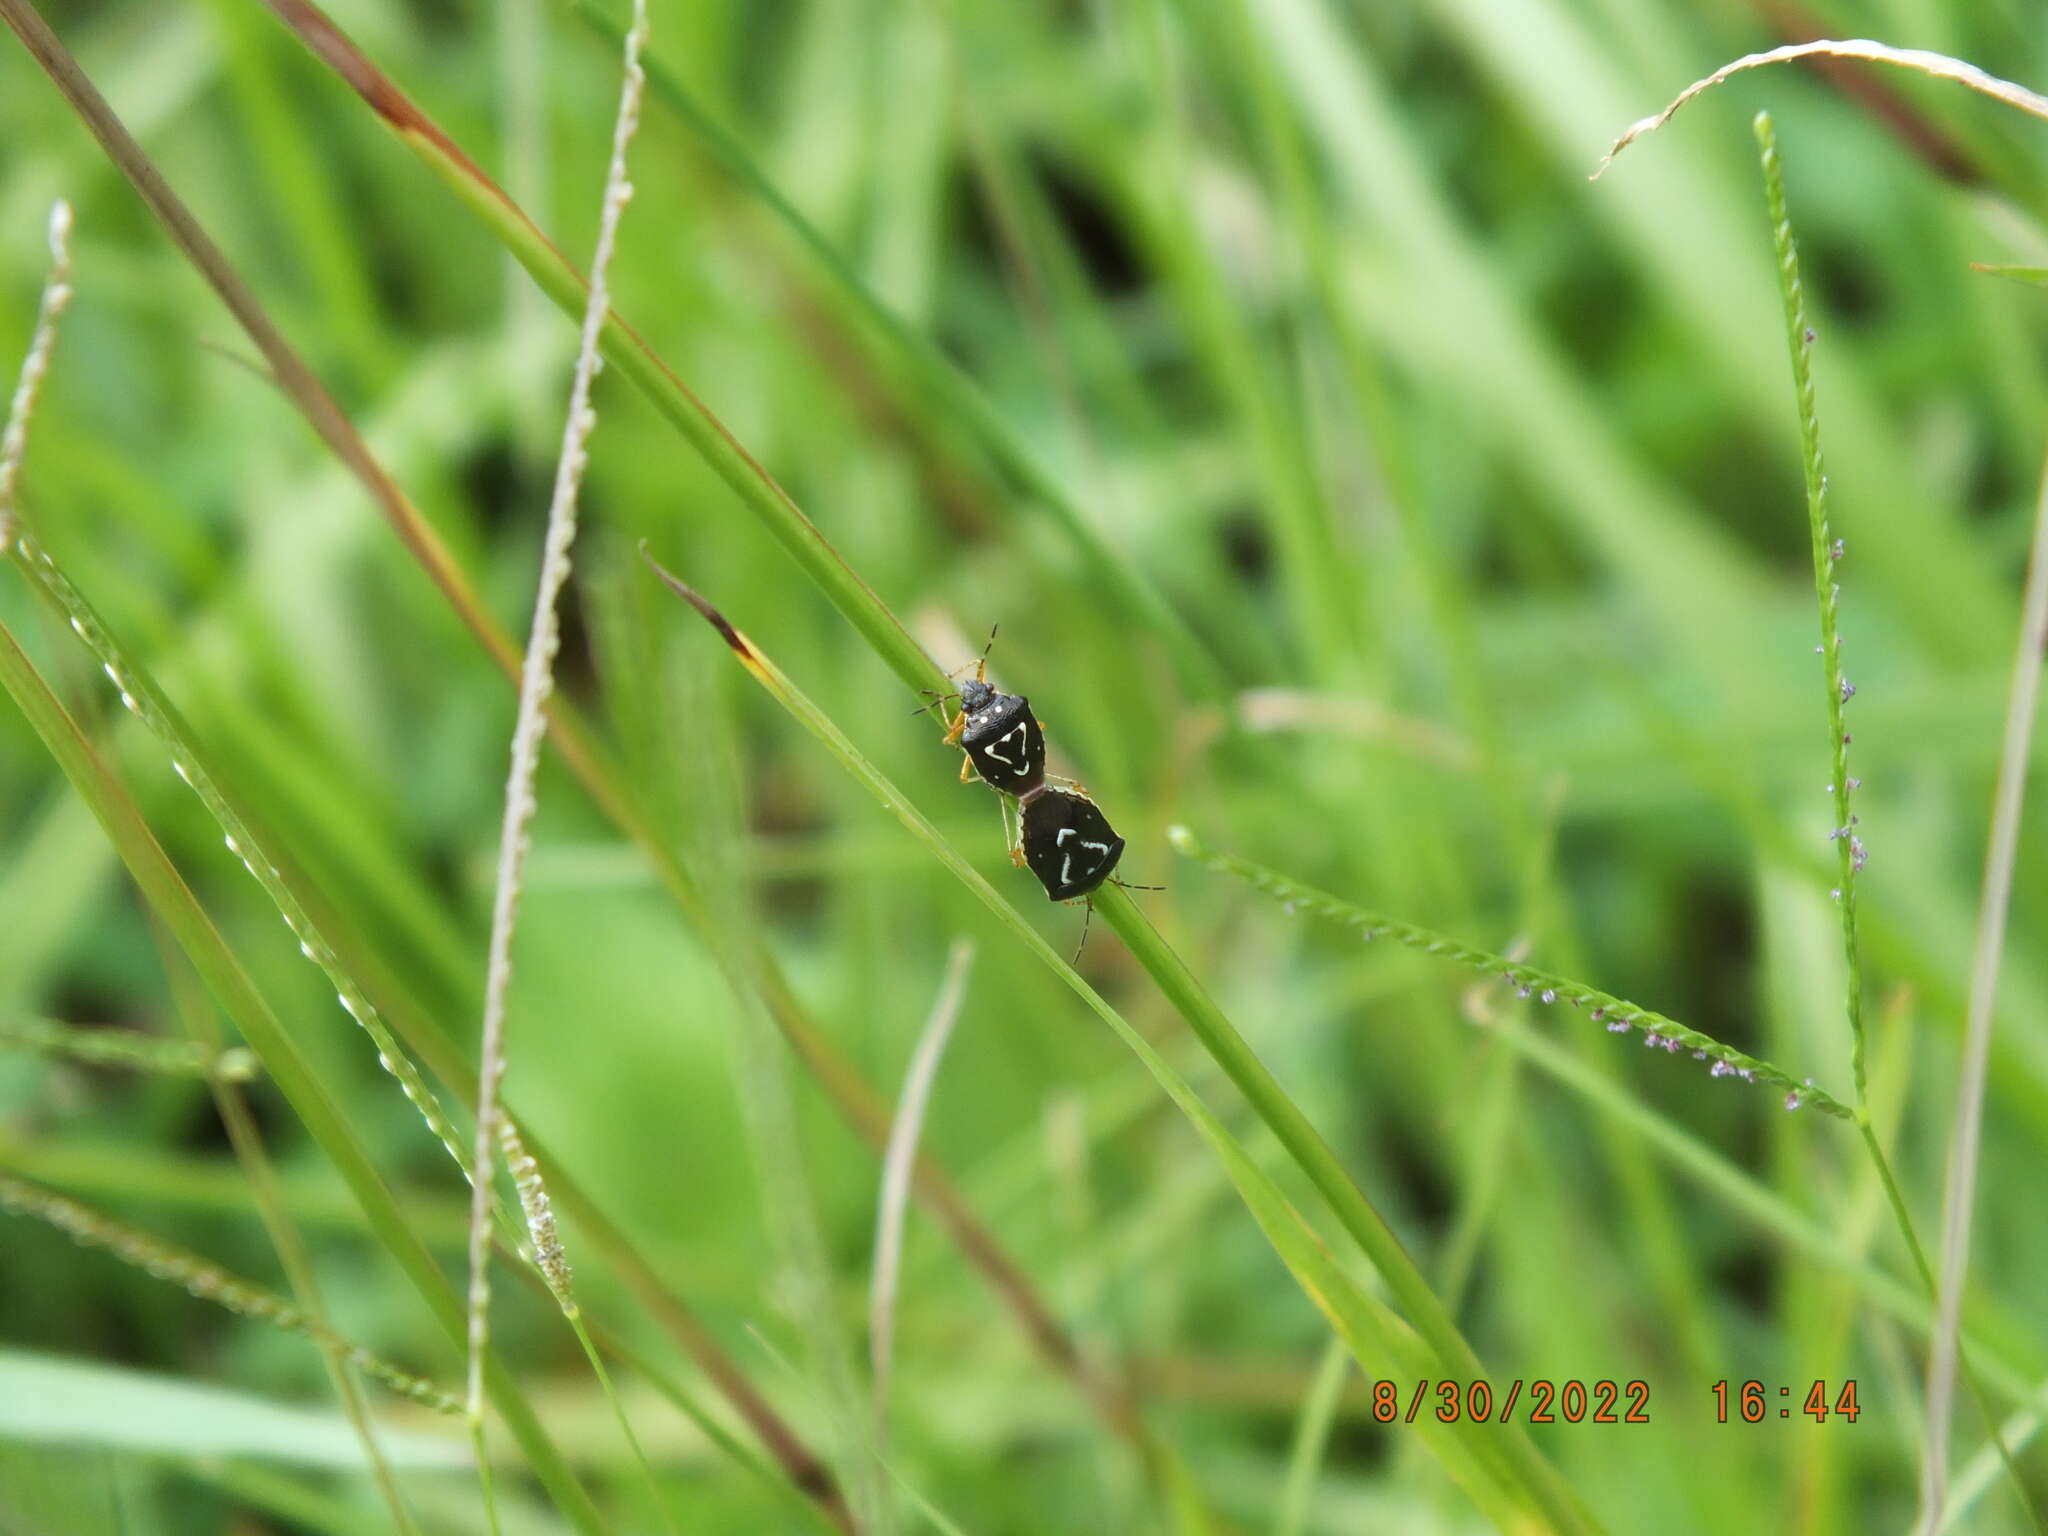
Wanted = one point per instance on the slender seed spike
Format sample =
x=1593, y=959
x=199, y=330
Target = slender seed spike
x=1619, y=1016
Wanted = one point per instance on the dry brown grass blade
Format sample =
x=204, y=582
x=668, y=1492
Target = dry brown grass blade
x=1899, y=116
x=1939, y=65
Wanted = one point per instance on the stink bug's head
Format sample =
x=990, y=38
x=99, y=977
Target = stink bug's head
x=974, y=694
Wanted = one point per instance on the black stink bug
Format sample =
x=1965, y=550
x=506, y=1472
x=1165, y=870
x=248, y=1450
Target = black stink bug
x=1068, y=842
x=1001, y=737
x=1003, y=740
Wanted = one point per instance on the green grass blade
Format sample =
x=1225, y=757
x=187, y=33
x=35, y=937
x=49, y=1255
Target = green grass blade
x=47, y=1400
x=1311, y=1438
x=1827, y=550
x=2033, y=277
x=230, y=985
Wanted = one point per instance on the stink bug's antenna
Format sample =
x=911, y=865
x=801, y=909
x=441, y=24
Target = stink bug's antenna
x=1132, y=886
x=980, y=663
x=1085, y=922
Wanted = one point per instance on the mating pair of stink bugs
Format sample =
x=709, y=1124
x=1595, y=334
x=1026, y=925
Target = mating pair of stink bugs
x=1065, y=839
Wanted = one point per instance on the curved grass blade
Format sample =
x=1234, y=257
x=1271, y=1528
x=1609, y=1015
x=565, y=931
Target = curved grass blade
x=1939, y=65
x=1496, y=1463
x=896, y=1166
x=1311, y=1437
x=1618, y=1013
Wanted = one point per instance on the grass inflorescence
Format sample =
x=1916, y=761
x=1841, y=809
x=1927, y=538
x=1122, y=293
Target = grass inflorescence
x=139, y=1052
x=1617, y=1015
x=208, y=1281
x=1828, y=552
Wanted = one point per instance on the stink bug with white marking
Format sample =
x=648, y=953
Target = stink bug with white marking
x=1004, y=743
x=1068, y=843
x=1001, y=737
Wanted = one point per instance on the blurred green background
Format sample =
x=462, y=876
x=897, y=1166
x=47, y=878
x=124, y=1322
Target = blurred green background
x=1468, y=579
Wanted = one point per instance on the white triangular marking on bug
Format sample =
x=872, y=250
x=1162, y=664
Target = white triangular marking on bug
x=1017, y=765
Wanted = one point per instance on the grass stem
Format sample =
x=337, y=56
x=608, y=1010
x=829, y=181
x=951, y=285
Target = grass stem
x=2001, y=854
x=536, y=683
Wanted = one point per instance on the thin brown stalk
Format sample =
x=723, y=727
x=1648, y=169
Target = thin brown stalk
x=2001, y=853
x=291, y=372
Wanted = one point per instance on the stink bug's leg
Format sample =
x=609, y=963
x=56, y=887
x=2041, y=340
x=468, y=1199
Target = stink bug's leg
x=1131, y=886
x=966, y=769
x=1064, y=783
x=1085, y=921
x=1013, y=840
